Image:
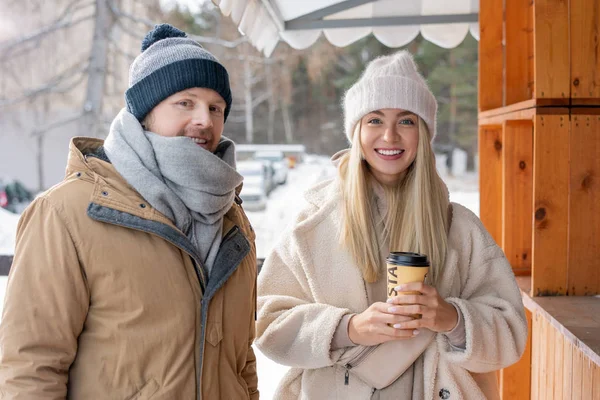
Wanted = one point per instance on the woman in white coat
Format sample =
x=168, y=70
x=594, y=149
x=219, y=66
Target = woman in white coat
x=322, y=291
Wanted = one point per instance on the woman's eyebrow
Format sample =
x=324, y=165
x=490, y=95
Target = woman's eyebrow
x=400, y=114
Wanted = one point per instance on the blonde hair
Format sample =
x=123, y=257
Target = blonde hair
x=417, y=210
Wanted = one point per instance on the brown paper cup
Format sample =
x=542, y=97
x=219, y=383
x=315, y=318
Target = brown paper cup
x=405, y=268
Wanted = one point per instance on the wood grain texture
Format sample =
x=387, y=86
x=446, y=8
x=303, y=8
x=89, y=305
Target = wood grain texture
x=585, y=49
x=490, y=179
x=551, y=48
x=518, y=82
x=550, y=199
x=584, y=206
x=490, y=54
x=517, y=194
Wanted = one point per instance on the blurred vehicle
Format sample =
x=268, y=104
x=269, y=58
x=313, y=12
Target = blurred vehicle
x=279, y=162
x=14, y=197
x=254, y=198
x=256, y=174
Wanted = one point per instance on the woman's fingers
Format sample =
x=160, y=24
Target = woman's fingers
x=394, y=318
x=394, y=333
x=407, y=299
x=417, y=287
x=408, y=309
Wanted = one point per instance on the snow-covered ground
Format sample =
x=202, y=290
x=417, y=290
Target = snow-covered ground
x=8, y=228
x=283, y=206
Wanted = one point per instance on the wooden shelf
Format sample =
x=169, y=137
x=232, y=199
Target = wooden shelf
x=577, y=318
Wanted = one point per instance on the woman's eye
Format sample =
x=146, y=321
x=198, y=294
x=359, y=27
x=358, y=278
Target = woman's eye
x=407, y=121
x=374, y=121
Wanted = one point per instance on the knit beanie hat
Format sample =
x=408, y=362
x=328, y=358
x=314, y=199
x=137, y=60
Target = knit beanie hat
x=169, y=63
x=390, y=82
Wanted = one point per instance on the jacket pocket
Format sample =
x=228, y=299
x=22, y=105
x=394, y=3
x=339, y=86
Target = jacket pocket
x=146, y=392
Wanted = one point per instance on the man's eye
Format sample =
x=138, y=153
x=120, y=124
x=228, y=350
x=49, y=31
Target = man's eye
x=215, y=109
x=185, y=103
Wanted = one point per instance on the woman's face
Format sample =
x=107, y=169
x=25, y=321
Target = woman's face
x=389, y=139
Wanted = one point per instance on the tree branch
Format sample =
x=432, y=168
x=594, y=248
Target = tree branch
x=257, y=100
x=54, y=125
x=6, y=48
x=120, y=51
x=201, y=39
x=52, y=86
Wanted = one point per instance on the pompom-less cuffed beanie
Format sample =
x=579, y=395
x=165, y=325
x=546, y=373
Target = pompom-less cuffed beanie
x=390, y=82
x=169, y=63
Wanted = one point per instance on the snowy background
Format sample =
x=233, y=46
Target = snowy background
x=268, y=225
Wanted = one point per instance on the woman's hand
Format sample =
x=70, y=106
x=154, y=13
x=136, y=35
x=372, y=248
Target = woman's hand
x=437, y=314
x=371, y=328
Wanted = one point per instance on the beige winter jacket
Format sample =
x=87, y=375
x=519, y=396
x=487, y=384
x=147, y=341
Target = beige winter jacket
x=309, y=283
x=106, y=298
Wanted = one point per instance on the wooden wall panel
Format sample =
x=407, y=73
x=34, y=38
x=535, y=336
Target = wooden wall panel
x=490, y=55
x=543, y=365
x=515, y=381
x=567, y=383
x=577, y=386
x=596, y=385
x=559, y=362
x=551, y=47
x=585, y=49
x=550, y=199
x=519, y=48
x=549, y=342
x=587, y=378
x=584, y=206
x=535, y=355
x=490, y=179
x=517, y=194
x=560, y=370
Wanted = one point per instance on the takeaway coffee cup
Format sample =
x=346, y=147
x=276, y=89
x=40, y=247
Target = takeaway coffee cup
x=404, y=267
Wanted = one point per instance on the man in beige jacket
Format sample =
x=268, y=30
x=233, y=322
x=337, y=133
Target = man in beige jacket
x=135, y=277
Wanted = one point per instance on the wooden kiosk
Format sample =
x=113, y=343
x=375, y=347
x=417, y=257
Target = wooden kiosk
x=539, y=149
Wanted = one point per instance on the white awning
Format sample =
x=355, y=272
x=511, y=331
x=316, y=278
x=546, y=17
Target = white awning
x=394, y=23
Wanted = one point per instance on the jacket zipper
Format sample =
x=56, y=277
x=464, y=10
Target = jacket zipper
x=227, y=236
x=356, y=362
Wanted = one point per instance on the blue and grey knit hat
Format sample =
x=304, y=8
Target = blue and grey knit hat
x=171, y=62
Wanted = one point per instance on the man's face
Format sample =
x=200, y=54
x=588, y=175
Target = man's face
x=197, y=113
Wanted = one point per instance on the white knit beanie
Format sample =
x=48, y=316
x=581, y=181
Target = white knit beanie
x=390, y=82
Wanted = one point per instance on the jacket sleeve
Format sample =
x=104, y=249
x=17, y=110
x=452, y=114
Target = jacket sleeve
x=249, y=371
x=293, y=328
x=492, y=307
x=45, y=307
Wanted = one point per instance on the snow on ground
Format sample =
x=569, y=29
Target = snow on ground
x=8, y=230
x=286, y=201
x=283, y=205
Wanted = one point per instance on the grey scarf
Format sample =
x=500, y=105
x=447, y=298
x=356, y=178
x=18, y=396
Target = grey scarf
x=192, y=187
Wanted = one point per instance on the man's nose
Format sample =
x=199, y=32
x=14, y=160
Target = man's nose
x=202, y=117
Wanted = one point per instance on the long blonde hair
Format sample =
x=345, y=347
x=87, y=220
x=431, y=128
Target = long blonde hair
x=417, y=210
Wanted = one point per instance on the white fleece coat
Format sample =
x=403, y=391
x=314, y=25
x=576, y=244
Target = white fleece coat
x=309, y=282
